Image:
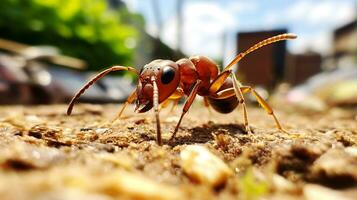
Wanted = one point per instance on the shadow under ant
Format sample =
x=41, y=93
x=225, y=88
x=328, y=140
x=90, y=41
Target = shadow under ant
x=206, y=133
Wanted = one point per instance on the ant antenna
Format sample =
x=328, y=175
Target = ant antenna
x=270, y=40
x=95, y=79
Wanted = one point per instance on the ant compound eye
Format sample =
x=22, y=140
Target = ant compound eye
x=168, y=74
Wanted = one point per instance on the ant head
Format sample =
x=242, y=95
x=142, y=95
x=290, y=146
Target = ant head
x=165, y=73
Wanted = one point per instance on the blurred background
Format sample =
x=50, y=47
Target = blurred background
x=49, y=48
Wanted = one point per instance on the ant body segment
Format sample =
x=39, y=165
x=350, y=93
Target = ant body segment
x=162, y=80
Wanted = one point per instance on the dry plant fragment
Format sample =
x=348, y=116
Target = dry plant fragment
x=204, y=167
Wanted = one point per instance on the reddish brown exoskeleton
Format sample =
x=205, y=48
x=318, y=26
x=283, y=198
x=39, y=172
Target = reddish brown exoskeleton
x=162, y=80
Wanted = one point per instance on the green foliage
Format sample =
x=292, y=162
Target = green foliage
x=86, y=29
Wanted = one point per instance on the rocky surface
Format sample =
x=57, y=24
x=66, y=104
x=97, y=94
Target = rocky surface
x=45, y=154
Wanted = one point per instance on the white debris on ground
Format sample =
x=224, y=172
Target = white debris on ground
x=204, y=167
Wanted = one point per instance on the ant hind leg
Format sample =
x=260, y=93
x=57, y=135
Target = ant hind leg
x=237, y=85
x=264, y=104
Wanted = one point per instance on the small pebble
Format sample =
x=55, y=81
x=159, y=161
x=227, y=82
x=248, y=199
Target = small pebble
x=313, y=192
x=204, y=167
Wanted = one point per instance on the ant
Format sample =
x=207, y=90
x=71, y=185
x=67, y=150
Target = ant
x=163, y=80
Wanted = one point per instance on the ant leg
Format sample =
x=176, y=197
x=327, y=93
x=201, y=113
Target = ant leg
x=164, y=104
x=226, y=93
x=206, y=104
x=237, y=85
x=218, y=82
x=175, y=102
x=156, y=110
x=263, y=104
x=128, y=101
x=175, y=97
x=95, y=79
x=187, y=106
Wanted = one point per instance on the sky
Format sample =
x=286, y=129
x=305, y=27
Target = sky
x=206, y=21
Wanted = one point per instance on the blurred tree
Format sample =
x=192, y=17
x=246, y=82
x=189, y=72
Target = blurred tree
x=86, y=29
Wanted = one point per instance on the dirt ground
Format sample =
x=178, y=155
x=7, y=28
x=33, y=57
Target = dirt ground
x=45, y=154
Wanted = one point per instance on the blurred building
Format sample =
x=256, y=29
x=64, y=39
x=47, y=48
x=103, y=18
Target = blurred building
x=300, y=67
x=345, y=45
x=265, y=67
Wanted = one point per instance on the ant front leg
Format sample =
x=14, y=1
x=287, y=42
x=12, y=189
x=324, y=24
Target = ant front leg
x=156, y=110
x=174, y=98
x=128, y=101
x=187, y=106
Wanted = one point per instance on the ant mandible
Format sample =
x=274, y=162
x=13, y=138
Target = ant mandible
x=162, y=80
